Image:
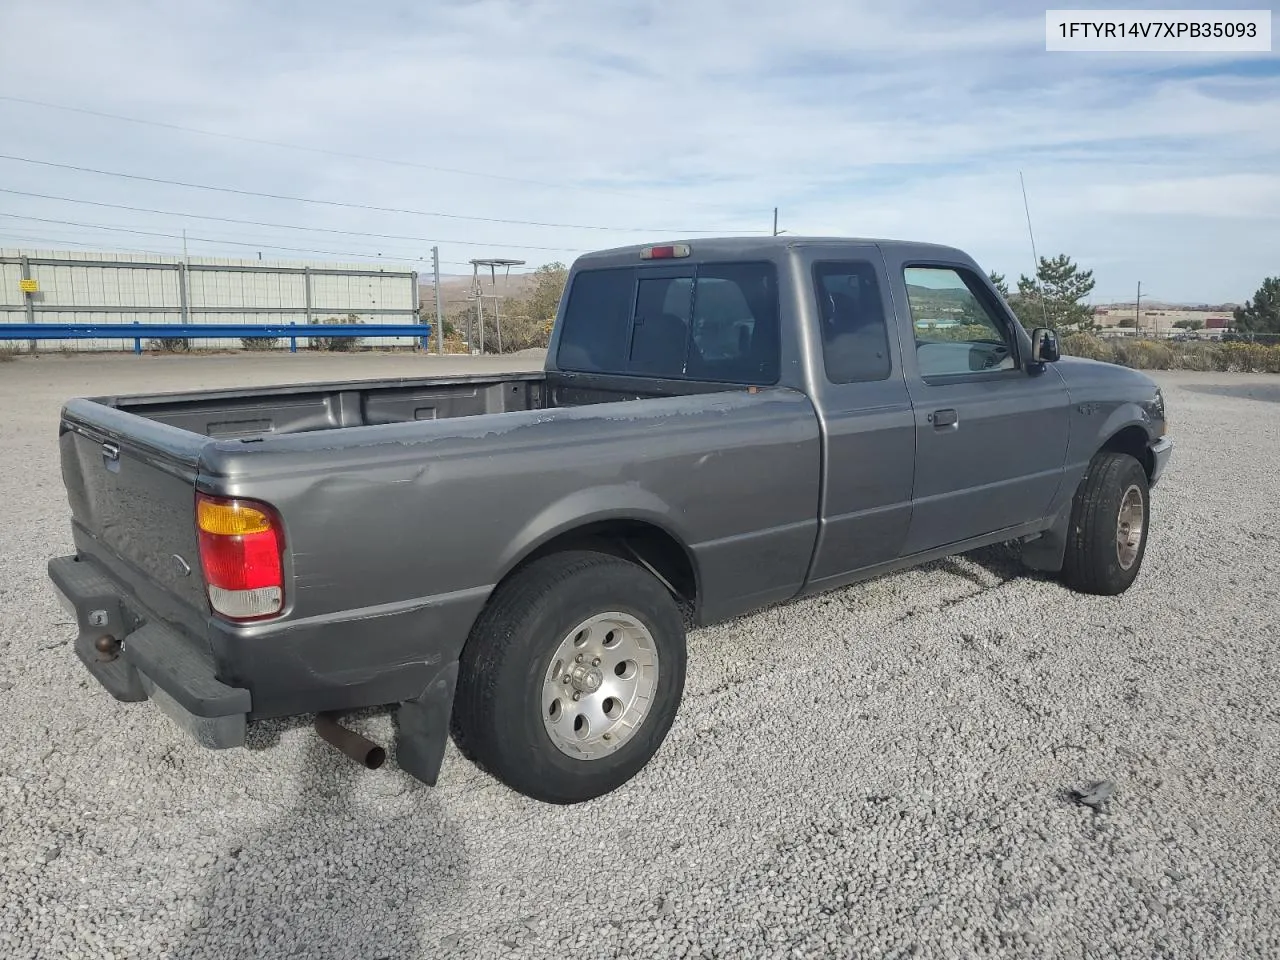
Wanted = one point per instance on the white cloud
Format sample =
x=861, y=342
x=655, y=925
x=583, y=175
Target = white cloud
x=908, y=120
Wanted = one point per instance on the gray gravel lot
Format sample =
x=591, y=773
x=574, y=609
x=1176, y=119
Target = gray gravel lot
x=878, y=772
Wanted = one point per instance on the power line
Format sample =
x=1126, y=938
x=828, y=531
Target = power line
x=336, y=153
x=27, y=238
x=342, y=203
x=214, y=240
x=56, y=242
x=282, y=226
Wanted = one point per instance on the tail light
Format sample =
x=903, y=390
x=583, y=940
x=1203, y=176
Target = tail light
x=241, y=551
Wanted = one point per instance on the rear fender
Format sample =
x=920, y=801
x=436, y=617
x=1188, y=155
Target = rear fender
x=583, y=508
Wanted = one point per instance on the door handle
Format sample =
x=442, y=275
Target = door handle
x=944, y=418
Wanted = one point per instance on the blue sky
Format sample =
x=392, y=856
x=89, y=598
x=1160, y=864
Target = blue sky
x=906, y=120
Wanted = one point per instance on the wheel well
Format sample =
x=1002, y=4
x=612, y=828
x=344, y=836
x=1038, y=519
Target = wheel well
x=1133, y=441
x=633, y=540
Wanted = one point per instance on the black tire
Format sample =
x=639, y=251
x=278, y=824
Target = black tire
x=497, y=715
x=1092, y=562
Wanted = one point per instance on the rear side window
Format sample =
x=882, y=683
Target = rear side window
x=716, y=322
x=855, y=335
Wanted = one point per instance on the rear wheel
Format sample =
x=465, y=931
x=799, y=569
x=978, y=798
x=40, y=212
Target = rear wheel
x=1110, y=517
x=572, y=677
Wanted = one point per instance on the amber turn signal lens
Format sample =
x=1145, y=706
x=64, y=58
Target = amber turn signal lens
x=230, y=518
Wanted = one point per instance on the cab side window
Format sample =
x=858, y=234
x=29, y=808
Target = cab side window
x=958, y=332
x=855, y=334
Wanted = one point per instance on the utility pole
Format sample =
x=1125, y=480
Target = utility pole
x=775, y=221
x=497, y=309
x=435, y=267
x=1137, y=306
x=184, y=281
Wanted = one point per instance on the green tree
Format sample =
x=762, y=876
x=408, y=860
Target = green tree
x=998, y=281
x=1055, y=296
x=548, y=286
x=1262, y=313
x=1188, y=324
x=526, y=321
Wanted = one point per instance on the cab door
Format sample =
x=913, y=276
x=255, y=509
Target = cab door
x=990, y=430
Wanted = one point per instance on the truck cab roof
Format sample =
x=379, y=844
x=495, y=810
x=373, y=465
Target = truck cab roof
x=718, y=248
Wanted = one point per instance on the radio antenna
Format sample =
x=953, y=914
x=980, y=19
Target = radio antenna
x=1034, y=256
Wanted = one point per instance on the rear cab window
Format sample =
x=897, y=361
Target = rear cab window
x=708, y=321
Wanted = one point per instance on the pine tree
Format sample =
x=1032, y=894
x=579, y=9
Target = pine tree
x=1054, y=297
x=1262, y=313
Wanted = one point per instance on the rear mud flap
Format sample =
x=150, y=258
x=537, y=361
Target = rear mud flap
x=423, y=727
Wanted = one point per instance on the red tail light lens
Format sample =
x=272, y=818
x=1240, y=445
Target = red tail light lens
x=241, y=552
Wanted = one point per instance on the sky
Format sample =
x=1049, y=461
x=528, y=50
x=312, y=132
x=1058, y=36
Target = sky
x=541, y=129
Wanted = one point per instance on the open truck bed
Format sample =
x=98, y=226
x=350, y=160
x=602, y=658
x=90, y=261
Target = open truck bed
x=261, y=411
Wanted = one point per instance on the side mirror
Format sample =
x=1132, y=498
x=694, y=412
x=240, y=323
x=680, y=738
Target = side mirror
x=1044, y=346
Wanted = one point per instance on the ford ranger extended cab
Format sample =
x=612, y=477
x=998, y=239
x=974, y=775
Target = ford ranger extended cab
x=720, y=425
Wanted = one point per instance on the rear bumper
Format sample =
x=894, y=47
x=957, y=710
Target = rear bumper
x=155, y=661
x=1161, y=451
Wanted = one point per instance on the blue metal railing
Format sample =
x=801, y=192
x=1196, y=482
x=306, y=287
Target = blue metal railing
x=137, y=332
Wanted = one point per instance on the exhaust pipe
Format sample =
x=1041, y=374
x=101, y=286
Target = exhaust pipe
x=360, y=749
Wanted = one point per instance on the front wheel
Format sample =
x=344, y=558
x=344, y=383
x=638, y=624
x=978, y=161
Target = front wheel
x=572, y=677
x=1110, y=517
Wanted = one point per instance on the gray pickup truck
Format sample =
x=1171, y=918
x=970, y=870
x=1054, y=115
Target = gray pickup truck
x=513, y=560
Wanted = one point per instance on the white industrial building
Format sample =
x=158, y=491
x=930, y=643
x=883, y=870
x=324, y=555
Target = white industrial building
x=40, y=287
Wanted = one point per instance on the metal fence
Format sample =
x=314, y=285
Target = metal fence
x=55, y=289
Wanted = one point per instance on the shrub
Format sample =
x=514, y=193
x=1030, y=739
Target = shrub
x=1088, y=346
x=1197, y=356
x=259, y=343
x=170, y=345
x=1239, y=357
x=342, y=344
x=1144, y=354
x=1232, y=357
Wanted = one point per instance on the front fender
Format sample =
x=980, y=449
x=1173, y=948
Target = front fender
x=1123, y=416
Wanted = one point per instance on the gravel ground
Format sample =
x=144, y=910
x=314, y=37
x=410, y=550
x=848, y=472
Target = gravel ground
x=878, y=772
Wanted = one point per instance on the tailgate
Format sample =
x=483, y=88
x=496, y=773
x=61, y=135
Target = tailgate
x=131, y=485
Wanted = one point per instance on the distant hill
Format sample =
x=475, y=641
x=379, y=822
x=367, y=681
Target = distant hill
x=932, y=303
x=456, y=289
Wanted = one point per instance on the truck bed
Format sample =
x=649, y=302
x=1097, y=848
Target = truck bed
x=236, y=413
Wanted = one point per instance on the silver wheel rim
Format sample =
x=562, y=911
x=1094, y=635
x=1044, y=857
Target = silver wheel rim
x=1129, y=525
x=599, y=685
